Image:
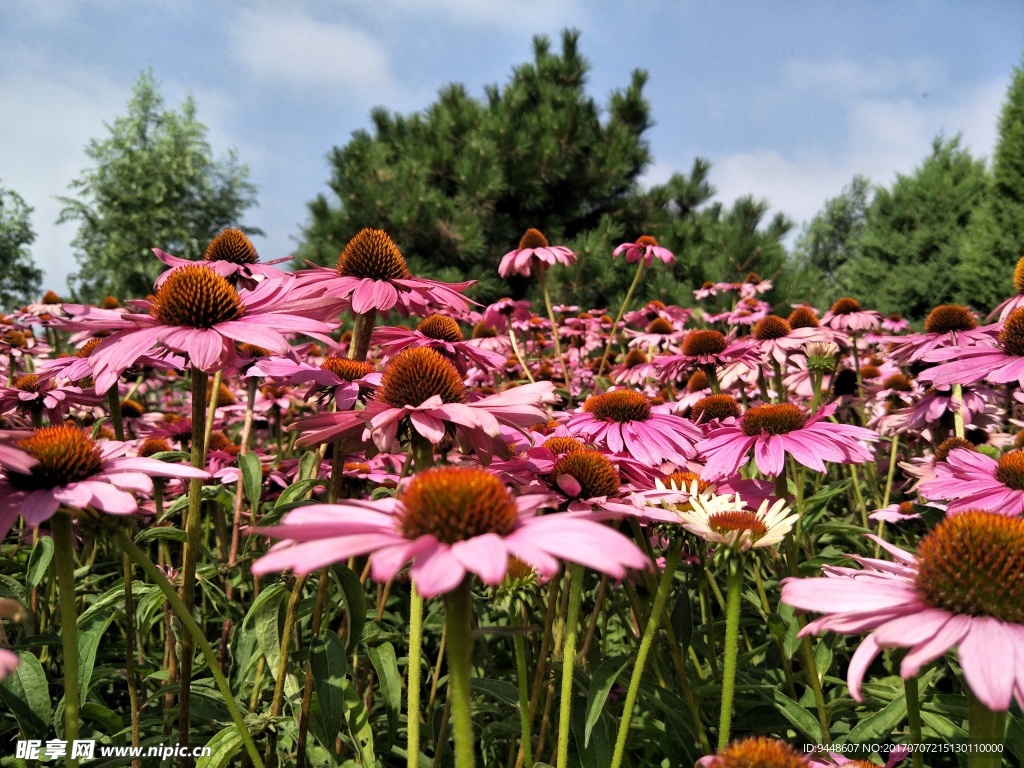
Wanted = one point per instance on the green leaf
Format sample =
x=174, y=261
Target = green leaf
x=600, y=686
x=263, y=617
x=681, y=620
x=223, y=748
x=307, y=464
x=110, y=720
x=881, y=723
x=252, y=478
x=90, y=632
x=27, y=696
x=386, y=663
x=328, y=663
x=798, y=717
x=359, y=725
x=500, y=689
x=162, y=532
x=296, y=492
x=42, y=554
x=355, y=603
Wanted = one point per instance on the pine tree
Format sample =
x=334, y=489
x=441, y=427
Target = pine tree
x=154, y=183
x=20, y=279
x=995, y=240
x=909, y=248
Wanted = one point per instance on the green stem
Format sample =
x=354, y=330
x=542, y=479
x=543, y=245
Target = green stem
x=193, y=526
x=114, y=405
x=780, y=388
x=197, y=635
x=541, y=278
x=415, y=655
x=526, y=737
x=277, y=702
x=664, y=587
x=518, y=354
x=987, y=729
x=64, y=561
x=307, y=691
x=914, y=719
x=618, y=317
x=712, y=374
x=568, y=662
x=361, y=334
x=458, y=610
x=129, y=655
x=958, y=414
x=732, y=633
x=214, y=390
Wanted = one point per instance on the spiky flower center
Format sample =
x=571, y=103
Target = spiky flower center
x=905, y=508
x=348, y=370
x=620, y=405
x=948, y=318
x=88, y=348
x=16, y=339
x=683, y=481
x=647, y=240
x=50, y=297
x=634, y=358
x=221, y=442
x=697, y=382
x=65, y=453
x=372, y=255
x=973, y=564
x=232, y=245
x=1011, y=338
x=760, y=752
x=455, y=504
x=802, y=317
x=357, y=467
x=30, y=382
x=533, y=238
x=869, y=372
x=110, y=303
x=660, y=325
x=560, y=445
x=773, y=418
x=132, y=409
x=702, y=343
x=440, y=327
x=153, y=445
x=1018, y=276
x=483, y=331
x=1010, y=470
x=594, y=472
x=752, y=278
x=715, y=407
x=195, y=296
x=224, y=396
x=846, y=306
x=771, y=327
x=416, y=375
x=737, y=521
x=898, y=382
x=950, y=444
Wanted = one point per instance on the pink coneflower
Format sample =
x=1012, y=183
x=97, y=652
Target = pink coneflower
x=846, y=315
x=775, y=429
x=645, y=248
x=707, y=290
x=232, y=255
x=776, y=339
x=893, y=323
x=345, y=378
x=754, y=285
x=705, y=348
x=759, y=751
x=948, y=325
x=902, y=512
x=8, y=663
x=964, y=588
x=1017, y=300
x=659, y=335
x=534, y=253
x=422, y=389
x=440, y=333
x=972, y=480
x=371, y=274
x=198, y=313
x=449, y=522
x=997, y=365
x=623, y=420
x=35, y=396
x=74, y=470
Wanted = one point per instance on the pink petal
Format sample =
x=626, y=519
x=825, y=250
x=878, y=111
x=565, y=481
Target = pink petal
x=486, y=556
x=984, y=652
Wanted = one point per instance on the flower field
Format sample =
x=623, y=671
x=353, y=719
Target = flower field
x=348, y=516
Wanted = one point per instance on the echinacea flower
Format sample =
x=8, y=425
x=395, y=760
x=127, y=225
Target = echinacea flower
x=948, y=325
x=903, y=512
x=1017, y=300
x=727, y=520
x=347, y=378
x=232, y=255
x=706, y=348
x=371, y=274
x=76, y=471
x=972, y=480
x=755, y=751
x=963, y=589
x=623, y=420
x=847, y=315
x=998, y=365
x=534, y=253
x=448, y=522
x=776, y=429
x=33, y=395
x=645, y=249
x=440, y=333
x=198, y=313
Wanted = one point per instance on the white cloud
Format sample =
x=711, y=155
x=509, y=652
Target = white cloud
x=886, y=137
x=846, y=78
x=512, y=15
x=290, y=45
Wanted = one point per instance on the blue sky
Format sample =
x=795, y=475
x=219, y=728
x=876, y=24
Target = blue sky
x=788, y=99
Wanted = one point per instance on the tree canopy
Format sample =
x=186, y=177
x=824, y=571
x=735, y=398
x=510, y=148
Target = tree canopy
x=20, y=278
x=154, y=183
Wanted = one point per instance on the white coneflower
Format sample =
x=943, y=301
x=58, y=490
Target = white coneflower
x=727, y=520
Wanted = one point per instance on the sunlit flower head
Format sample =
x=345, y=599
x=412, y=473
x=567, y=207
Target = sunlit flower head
x=645, y=249
x=534, y=253
x=728, y=521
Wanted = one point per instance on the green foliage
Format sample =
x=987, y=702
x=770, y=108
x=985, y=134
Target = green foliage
x=20, y=279
x=906, y=256
x=995, y=240
x=457, y=185
x=154, y=183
